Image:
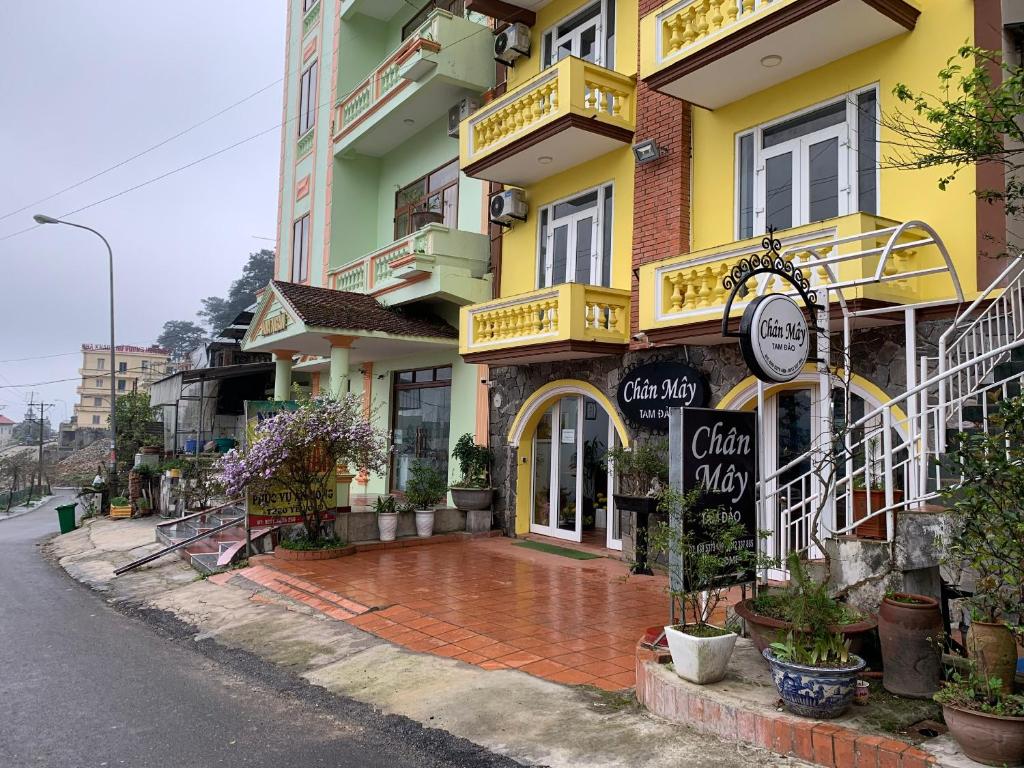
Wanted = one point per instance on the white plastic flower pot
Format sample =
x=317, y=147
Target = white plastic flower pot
x=700, y=660
x=387, y=524
x=424, y=523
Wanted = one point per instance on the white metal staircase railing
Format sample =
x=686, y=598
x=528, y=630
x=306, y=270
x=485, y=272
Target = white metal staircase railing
x=891, y=452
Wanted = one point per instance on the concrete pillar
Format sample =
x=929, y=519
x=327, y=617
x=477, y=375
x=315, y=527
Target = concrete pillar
x=340, y=346
x=283, y=375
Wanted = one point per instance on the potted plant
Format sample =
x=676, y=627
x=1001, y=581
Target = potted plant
x=985, y=535
x=911, y=632
x=769, y=617
x=387, y=517
x=298, y=450
x=120, y=507
x=984, y=719
x=425, y=487
x=641, y=471
x=473, y=491
x=705, y=559
x=812, y=668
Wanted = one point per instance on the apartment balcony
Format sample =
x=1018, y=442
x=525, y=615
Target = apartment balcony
x=714, y=52
x=435, y=262
x=572, y=112
x=564, y=322
x=446, y=59
x=684, y=297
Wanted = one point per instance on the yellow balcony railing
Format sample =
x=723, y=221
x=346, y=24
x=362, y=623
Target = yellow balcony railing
x=572, y=87
x=688, y=289
x=567, y=312
x=703, y=50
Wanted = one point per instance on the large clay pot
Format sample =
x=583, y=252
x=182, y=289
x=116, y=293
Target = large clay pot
x=765, y=630
x=988, y=739
x=911, y=632
x=993, y=649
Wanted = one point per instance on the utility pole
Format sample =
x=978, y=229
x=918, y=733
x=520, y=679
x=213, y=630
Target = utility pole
x=42, y=433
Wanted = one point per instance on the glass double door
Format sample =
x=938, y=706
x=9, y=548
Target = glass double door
x=571, y=482
x=805, y=179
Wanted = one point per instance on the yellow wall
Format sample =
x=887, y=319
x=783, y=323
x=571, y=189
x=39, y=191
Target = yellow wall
x=913, y=58
x=625, y=37
x=519, y=265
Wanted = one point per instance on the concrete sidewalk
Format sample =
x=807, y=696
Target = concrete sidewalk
x=535, y=721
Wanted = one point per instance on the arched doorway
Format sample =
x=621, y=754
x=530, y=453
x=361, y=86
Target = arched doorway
x=564, y=484
x=794, y=418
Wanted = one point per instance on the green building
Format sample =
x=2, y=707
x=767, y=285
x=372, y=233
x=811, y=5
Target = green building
x=381, y=238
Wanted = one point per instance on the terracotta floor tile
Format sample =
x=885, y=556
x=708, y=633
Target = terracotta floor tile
x=599, y=669
x=624, y=679
x=519, y=659
x=573, y=659
x=603, y=653
x=471, y=658
x=491, y=664
x=449, y=650
x=543, y=668
x=624, y=661
x=572, y=677
x=606, y=684
x=497, y=650
x=475, y=642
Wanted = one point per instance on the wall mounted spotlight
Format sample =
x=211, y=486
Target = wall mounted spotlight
x=647, y=151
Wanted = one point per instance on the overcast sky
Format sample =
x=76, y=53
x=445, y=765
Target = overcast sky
x=86, y=84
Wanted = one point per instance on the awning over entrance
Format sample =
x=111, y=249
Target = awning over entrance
x=308, y=321
x=293, y=320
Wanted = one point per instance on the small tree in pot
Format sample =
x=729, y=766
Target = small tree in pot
x=425, y=487
x=986, y=535
x=708, y=552
x=984, y=718
x=299, y=450
x=473, y=493
x=641, y=472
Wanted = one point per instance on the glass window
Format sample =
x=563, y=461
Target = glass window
x=95, y=419
x=575, y=243
x=867, y=151
x=578, y=36
x=833, y=114
x=823, y=181
x=307, y=4
x=300, y=250
x=443, y=374
x=97, y=401
x=122, y=367
x=421, y=415
x=779, y=191
x=122, y=385
x=746, y=186
x=307, y=99
x=101, y=363
x=430, y=198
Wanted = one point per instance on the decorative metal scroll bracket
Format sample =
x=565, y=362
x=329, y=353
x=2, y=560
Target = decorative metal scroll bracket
x=769, y=263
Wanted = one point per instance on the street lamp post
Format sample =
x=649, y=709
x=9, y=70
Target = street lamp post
x=42, y=219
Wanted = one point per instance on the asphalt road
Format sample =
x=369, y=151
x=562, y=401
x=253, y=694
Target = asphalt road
x=83, y=684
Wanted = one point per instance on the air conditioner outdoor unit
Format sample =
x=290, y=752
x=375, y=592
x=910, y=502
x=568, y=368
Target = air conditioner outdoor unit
x=508, y=206
x=512, y=43
x=459, y=112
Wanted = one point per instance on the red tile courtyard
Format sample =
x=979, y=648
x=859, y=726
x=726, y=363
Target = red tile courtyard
x=486, y=602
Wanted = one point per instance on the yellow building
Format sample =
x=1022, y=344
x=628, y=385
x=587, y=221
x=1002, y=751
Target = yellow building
x=137, y=368
x=645, y=149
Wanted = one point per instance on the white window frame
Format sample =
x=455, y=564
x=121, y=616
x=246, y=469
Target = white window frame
x=601, y=39
x=849, y=193
x=544, y=249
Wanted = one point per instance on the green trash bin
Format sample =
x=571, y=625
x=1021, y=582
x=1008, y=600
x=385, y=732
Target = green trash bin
x=66, y=517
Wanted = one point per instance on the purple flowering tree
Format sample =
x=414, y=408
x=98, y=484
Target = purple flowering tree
x=298, y=449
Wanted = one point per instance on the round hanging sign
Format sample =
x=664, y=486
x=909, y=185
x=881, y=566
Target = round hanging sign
x=774, y=338
x=647, y=392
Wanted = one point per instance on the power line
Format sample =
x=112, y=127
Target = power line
x=40, y=357
x=137, y=155
x=205, y=157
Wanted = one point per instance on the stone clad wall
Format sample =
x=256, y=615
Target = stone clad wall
x=877, y=355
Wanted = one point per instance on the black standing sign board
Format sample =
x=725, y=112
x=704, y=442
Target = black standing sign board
x=719, y=456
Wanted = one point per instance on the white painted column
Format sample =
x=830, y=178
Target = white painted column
x=340, y=347
x=283, y=374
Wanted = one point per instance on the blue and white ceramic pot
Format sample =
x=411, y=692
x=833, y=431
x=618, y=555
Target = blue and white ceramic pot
x=819, y=692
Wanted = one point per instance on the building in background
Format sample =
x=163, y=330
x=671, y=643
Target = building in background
x=137, y=368
x=6, y=430
x=381, y=238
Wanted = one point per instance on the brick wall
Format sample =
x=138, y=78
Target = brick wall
x=661, y=208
